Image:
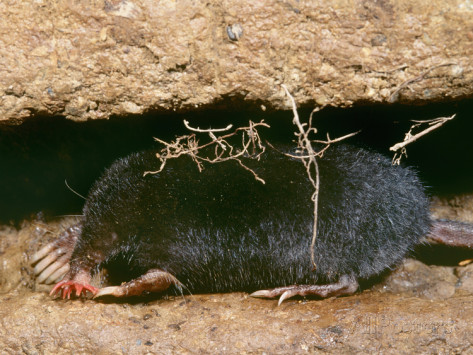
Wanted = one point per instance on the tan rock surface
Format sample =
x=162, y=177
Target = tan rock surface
x=92, y=59
x=233, y=323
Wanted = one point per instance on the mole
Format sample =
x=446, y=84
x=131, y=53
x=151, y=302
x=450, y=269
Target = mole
x=221, y=230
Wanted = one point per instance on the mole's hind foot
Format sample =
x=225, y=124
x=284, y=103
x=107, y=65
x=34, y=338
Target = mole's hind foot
x=154, y=280
x=52, y=261
x=345, y=286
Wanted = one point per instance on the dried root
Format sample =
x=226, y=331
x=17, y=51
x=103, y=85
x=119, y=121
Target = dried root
x=251, y=145
x=309, y=157
x=400, y=148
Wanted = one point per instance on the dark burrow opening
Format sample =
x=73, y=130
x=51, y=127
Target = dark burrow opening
x=38, y=156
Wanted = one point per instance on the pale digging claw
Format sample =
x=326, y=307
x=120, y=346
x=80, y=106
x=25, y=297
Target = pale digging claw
x=40, y=254
x=50, y=273
x=58, y=274
x=52, y=261
x=42, y=266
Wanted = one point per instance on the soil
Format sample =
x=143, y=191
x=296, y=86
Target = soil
x=92, y=60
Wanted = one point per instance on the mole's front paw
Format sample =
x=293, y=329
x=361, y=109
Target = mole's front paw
x=52, y=261
x=65, y=288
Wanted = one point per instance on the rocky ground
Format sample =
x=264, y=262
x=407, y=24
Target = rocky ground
x=94, y=59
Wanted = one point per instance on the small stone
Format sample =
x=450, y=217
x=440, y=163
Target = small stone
x=440, y=290
x=378, y=40
x=234, y=32
x=465, y=275
x=134, y=320
x=174, y=326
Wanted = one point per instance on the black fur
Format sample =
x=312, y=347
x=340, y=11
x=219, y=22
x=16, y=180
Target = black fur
x=221, y=230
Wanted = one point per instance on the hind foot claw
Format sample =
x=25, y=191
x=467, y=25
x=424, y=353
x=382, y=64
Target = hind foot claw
x=345, y=286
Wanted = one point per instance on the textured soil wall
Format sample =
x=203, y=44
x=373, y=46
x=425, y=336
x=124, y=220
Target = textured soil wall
x=92, y=59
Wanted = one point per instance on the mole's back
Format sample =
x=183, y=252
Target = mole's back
x=222, y=230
